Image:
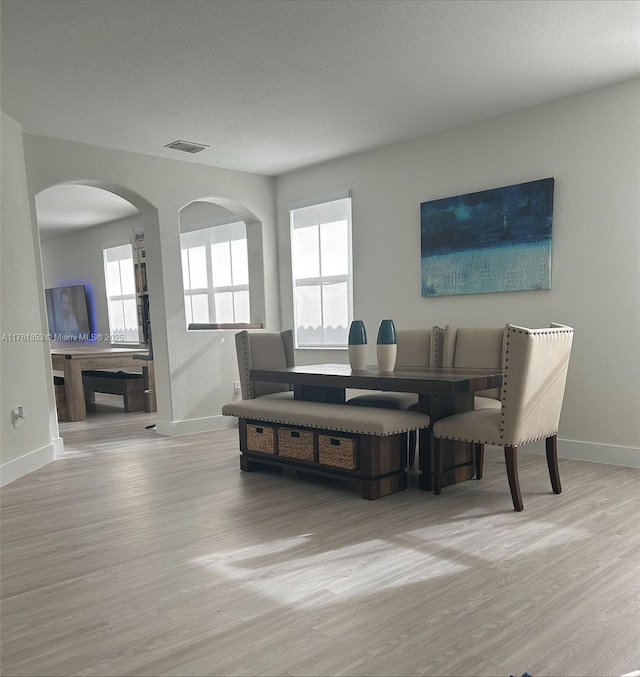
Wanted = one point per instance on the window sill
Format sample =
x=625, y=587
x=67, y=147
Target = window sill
x=199, y=326
x=322, y=348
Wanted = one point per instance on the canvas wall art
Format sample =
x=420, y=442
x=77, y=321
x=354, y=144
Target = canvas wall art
x=494, y=240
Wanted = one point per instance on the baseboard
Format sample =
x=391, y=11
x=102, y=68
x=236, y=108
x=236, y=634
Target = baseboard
x=195, y=425
x=58, y=447
x=590, y=451
x=18, y=467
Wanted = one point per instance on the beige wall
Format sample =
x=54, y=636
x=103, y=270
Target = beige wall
x=194, y=373
x=590, y=144
x=26, y=379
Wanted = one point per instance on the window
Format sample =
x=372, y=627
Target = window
x=215, y=274
x=121, y=293
x=321, y=260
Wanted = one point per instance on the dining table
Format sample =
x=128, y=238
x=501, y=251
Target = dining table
x=72, y=361
x=441, y=392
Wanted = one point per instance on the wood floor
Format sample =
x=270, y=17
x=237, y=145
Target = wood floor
x=142, y=555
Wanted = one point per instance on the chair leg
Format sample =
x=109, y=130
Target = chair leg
x=437, y=465
x=551, y=444
x=511, y=459
x=478, y=457
x=413, y=440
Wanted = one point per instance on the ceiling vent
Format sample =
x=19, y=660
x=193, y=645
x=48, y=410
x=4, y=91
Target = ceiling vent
x=186, y=146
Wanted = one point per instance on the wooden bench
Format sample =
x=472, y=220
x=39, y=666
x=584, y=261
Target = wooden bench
x=130, y=386
x=367, y=445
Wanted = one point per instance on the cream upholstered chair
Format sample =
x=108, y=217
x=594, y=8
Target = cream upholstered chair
x=263, y=349
x=535, y=363
x=416, y=348
x=476, y=348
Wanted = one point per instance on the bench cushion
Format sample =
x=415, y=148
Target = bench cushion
x=339, y=417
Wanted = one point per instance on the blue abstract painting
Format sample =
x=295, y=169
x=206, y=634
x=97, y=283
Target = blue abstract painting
x=490, y=241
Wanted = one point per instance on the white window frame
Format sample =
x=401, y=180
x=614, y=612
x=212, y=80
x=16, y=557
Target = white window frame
x=115, y=332
x=321, y=280
x=232, y=230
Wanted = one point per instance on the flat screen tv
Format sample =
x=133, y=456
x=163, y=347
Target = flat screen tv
x=68, y=313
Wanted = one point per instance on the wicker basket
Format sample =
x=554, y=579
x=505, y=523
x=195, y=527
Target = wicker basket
x=295, y=443
x=261, y=438
x=340, y=452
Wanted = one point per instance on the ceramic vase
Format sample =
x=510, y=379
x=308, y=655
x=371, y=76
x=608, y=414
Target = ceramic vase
x=387, y=346
x=357, y=345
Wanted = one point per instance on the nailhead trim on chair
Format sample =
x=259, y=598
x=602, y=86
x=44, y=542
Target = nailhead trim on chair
x=245, y=364
x=528, y=441
x=505, y=374
x=437, y=335
x=505, y=381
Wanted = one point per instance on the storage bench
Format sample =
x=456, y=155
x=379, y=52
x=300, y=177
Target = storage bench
x=129, y=385
x=362, y=444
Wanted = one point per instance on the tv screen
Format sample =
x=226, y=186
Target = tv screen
x=68, y=313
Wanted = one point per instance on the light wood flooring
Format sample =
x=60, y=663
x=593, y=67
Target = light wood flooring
x=137, y=554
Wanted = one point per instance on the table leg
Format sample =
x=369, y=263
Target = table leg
x=74, y=391
x=458, y=456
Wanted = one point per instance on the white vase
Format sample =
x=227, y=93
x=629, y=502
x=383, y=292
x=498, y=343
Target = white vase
x=386, y=356
x=358, y=357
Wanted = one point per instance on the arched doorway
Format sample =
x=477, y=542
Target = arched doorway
x=78, y=222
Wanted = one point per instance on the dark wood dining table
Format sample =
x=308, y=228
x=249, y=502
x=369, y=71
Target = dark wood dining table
x=441, y=391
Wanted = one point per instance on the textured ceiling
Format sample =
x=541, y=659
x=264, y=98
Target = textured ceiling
x=274, y=85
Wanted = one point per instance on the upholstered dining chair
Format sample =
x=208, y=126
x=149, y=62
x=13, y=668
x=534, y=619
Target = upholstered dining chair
x=416, y=348
x=263, y=349
x=534, y=364
x=475, y=348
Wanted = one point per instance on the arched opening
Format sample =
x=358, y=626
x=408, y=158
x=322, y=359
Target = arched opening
x=222, y=265
x=94, y=249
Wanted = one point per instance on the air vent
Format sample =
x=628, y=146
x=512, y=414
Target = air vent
x=186, y=146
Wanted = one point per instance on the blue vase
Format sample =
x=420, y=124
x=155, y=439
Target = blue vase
x=387, y=347
x=357, y=345
x=357, y=333
x=387, y=333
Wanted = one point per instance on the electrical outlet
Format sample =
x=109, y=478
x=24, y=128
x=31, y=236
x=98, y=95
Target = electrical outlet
x=236, y=387
x=17, y=416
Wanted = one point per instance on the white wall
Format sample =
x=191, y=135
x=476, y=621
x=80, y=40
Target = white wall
x=26, y=378
x=199, y=215
x=194, y=372
x=590, y=144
